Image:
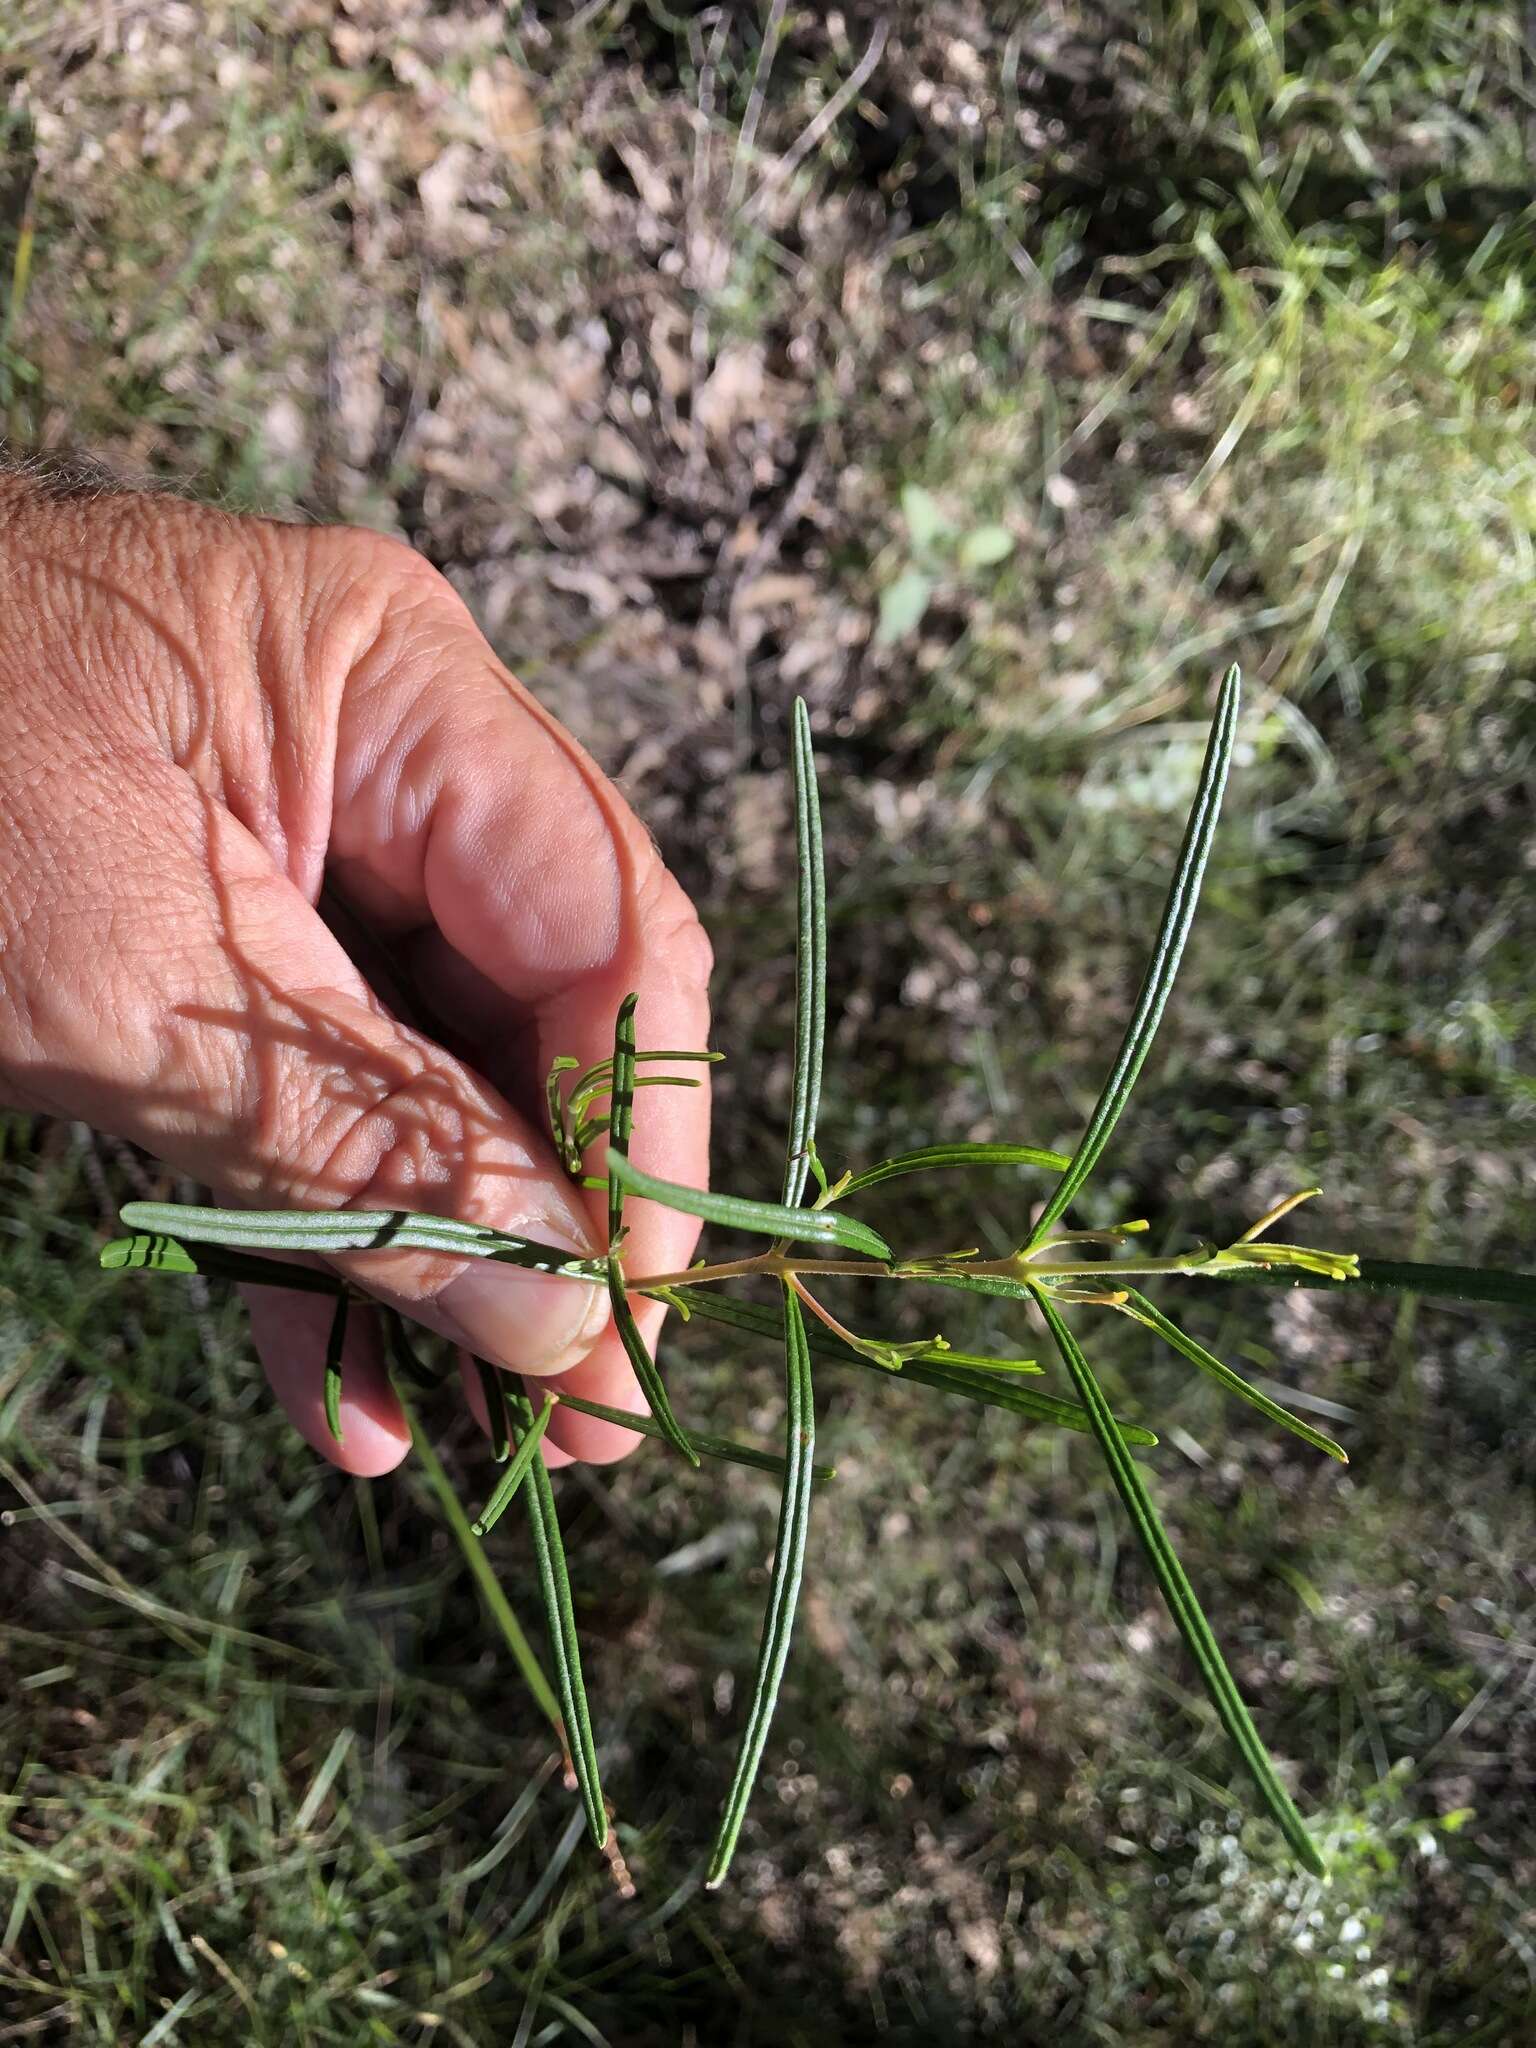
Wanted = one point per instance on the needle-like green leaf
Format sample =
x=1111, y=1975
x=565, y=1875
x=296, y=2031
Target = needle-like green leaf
x=766, y=1219
x=988, y=1388
x=1178, y=914
x=505, y=1491
x=707, y=1446
x=800, y=1411
x=354, y=1230
x=164, y=1255
x=554, y=1103
x=622, y=1118
x=335, y=1344
x=784, y=1590
x=992, y=1391
x=974, y=1361
x=406, y=1370
x=148, y=1254
x=1499, y=1285
x=493, y=1388
x=1180, y=1596
x=1140, y=1310
x=928, y=1158
x=810, y=963
x=554, y=1584
x=639, y=1355
x=621, y=1115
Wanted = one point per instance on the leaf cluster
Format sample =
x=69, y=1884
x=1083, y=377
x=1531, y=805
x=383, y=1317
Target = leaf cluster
x=812, y=1244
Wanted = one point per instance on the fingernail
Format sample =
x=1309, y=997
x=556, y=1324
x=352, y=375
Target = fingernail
x=530, y=1322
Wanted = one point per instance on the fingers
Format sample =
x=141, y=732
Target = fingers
x=604, y=1375
x=528, y=897
x=286, y=707
x=291, y=1331
x=465, y=816
x=224, y=1028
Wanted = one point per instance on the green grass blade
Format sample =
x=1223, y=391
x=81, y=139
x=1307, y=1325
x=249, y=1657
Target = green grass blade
x=810, y=962
x=505, y=1490
x=989, y=1389
x=1140, y=1310
x=1180, y=1596
x=931, y=1158
x=1502, y=1286
x=555, y=1585
x=493, y=1387
x=405, y=1369
x=784, y=1589
x=164, y=1255
x=353, y=1230
x=766, y=1219
x=1178, y=915
x=335, y=1344
x=720, y=1447
x=621, y=1125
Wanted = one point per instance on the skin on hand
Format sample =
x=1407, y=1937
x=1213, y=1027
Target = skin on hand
x=205, y=720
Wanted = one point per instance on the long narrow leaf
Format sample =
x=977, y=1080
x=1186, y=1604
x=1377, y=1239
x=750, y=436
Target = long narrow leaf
x=621, y=1110
x=493, y=1389
x=946, y=1355
x=335, y=1344
x=1502, y=1286
x=988, y=1389
x=800, y=1412
x=810, y=963
x=707, y=1446
x=1180, y=1596
x=639, y=1354
x=555, y=1585
x=406, y=1369
x=784, y=1590
x=621, y=1124
x=155, y=1254
x=505, y=1490
x=1147, y=1313
x=353, y=1230
x=1178, y=915
x=930, y=1158
x=766, y=1219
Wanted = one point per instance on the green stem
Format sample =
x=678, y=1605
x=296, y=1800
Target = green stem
x=1025, y=1272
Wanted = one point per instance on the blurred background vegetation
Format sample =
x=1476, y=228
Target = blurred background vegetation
x=668, y=333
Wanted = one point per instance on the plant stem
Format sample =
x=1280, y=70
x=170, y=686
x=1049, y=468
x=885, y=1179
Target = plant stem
x=778, y=1265
x=822, y=1314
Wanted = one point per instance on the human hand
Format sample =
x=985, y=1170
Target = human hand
x=202, y=719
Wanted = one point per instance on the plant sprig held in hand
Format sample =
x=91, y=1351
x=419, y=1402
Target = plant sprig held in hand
x=813, y=1245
